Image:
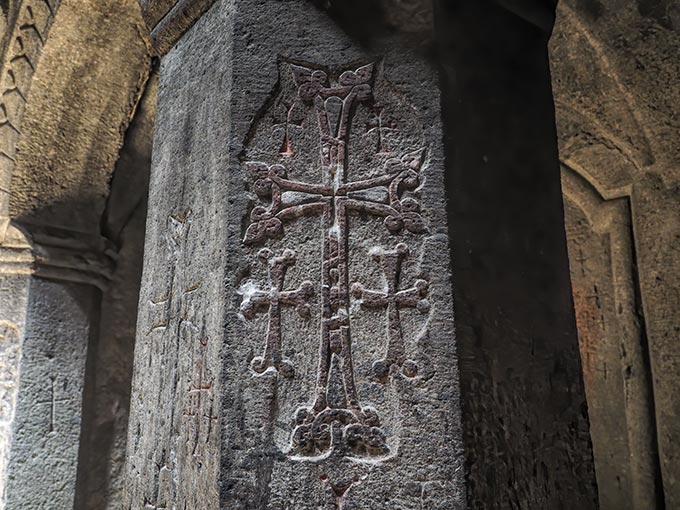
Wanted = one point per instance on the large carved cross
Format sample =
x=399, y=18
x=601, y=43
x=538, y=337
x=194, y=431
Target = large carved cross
x=333, y=198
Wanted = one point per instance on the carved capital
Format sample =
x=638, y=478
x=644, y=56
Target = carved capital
x=58, y=254
x=16, y=253
x=168, y=20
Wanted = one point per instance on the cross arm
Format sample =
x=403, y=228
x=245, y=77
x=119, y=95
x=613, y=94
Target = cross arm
x=304, y=187
x=299, y=298
x=254, y=302
x=414, y=297
x=370, y=298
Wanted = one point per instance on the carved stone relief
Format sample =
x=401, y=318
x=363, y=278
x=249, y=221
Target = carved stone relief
x=27, y=40
x=332, y=423
x=327, y=357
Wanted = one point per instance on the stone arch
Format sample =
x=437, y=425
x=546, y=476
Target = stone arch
x=83, y=94
x=619, y=192
x=72, y=116
x=23, y=41
x=613, y=343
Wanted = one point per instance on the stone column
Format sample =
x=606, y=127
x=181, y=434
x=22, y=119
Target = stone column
x=49, y=305
x=525, y=415
x=15, y=268
x=295, y=344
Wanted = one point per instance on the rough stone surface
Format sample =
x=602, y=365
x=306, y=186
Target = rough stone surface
x=13, y=304
x=45, y=442
x=615, y=72
x=260, y=257
x=524, y=410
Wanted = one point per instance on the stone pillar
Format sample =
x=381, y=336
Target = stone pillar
x=524, y=415
x=15, y=266
x=49, y=299
x=295, y=344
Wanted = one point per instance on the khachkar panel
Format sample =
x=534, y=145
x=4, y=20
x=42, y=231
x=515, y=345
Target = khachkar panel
x=337, y=300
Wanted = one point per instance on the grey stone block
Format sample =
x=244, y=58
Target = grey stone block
x=295, y=343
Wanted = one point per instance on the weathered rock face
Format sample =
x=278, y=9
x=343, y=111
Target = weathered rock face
x=295, y=340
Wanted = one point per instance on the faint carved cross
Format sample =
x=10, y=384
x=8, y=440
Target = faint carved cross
x=595, y=298
x=174, y=307
x=392, y=299
x=379, y=126
x=581, y=260
x=604, y=370
x=52, y=403
x=199, y=390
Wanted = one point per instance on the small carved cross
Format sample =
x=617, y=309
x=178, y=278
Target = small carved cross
x=52, y=402
x=198, y=392
x=595, y=297
x=581, y=260
x=392, y=299
x=604, y=370
x=272, y=300
x=378, y=125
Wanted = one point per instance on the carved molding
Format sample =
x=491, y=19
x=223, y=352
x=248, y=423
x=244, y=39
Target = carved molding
x=612, y=337
x=168, y=20
x=57, y=254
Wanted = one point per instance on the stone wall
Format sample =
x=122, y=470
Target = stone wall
x=615, y=75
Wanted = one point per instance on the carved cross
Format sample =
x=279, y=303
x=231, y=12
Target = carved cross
x=379, y=125
x=392, y=299
x=272, y=300
x=52, y=403
x=175, y=304
x=581, y=260
x=199, y=391
x=327, y=425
